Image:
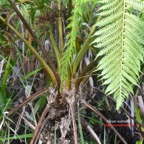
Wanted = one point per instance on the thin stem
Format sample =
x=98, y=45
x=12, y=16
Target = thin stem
x=55, y=74
x=47, y=68
x=60, y=29
x=84, y=72
x=84, y=48
x=55, y=47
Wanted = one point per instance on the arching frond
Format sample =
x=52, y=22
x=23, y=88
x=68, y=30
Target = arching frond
x=121, y=38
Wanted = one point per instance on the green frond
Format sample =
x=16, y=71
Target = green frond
x=71, y=44
x=120, y=38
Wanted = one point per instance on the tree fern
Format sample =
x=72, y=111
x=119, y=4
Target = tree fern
x=120, y=39
x=71, y=44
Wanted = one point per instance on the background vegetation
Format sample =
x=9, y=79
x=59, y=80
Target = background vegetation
x=69, y=69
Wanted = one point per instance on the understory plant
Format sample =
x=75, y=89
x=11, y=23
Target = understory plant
x=72, y=41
